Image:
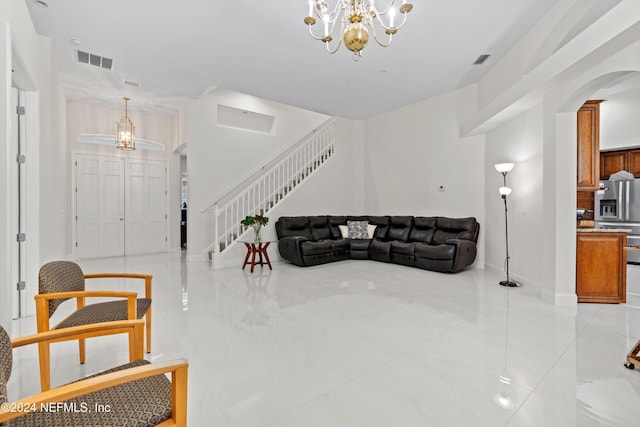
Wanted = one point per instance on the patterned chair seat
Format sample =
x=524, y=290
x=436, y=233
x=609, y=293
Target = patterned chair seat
x=104, y=312
x=142, y=402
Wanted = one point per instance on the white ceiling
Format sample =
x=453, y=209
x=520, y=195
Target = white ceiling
x=178, y=49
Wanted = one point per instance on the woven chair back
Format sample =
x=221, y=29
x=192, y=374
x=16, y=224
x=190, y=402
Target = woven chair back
x=60, y=276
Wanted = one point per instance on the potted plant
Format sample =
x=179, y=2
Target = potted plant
x=256, y=222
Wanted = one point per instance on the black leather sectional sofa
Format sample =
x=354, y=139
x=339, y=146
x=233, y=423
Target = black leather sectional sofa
x=432, y=243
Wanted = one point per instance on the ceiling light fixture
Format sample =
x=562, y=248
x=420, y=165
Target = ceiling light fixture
x=125, y=135
x=357, y=18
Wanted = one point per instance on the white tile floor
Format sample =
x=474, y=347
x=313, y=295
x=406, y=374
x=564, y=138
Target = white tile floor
x=360, y=343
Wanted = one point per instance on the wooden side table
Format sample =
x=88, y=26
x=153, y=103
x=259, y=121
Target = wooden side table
x=259, y=249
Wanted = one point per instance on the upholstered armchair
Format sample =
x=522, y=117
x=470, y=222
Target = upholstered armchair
x=137, y=393
x=62, y=280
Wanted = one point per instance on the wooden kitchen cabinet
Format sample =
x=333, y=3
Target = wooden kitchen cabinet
x=612, y=162
x=601, y=266
x=634, y=162
x=620, y=160
x=588, y=120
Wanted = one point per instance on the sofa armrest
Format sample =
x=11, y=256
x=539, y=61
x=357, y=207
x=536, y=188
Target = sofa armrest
x=466, y=251
x=289, y=248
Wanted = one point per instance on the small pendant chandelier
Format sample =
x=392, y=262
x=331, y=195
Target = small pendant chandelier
x=356, y=20
x=125, y=135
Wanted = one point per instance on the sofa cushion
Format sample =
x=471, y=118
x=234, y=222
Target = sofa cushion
x=382, y=226
x=358, y=229
x=319, y=226
x=402, y=252
x=439, y=252
x=294, y=226
x=441, y=265
x=315, y=248
x=334, y=222
x=360, y=245
x=455, y=228
x=399, y=228
x=380, y=251
x=340, y=249
x=359, y=249
x=405, y=248
x=423, y=229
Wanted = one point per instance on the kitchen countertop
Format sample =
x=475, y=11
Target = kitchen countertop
x=604, y=230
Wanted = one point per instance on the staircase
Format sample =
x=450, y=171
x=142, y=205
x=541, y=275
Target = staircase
x=267, y=187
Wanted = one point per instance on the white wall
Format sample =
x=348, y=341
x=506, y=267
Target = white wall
x=411, y=151
x=337, y=187
x=219, y=158
x=53, y=166
x=518, y=141
x=18, y=35
x=619, y=124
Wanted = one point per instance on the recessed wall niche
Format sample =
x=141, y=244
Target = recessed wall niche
x=246, y=120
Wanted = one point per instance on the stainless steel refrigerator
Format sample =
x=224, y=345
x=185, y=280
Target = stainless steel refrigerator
x=617, y=205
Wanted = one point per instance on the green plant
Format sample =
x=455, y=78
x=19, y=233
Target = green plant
x=253, y=221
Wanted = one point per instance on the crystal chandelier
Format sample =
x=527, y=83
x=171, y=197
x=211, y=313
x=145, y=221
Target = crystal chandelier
x=125, y=136
x=357, y=19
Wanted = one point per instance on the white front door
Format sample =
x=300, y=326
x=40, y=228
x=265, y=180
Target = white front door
x=121, y=206
x=99, y=206
x=146, y=207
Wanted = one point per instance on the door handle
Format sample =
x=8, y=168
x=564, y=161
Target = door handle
x=620, y=205
x=121, y=219
x=627, y=197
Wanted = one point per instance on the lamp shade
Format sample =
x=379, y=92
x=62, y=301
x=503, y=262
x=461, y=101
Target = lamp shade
x=504, y=167
x=504, y=191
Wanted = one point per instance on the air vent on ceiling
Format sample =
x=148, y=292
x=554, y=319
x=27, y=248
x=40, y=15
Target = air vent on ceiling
x=97, y=60
x=131, y=83
x=481, y=59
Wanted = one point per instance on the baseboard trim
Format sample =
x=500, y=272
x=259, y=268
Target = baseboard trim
x=560, y=299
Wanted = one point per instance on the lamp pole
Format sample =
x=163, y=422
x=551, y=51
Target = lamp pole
x=507, y=282
x=504, y=169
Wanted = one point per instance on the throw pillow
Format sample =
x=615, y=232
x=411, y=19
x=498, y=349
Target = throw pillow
x=344, y=231
x=371, y=229
x=358, y=229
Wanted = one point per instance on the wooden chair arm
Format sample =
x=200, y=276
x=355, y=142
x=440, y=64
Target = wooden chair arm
x=80, y=294
x=178, y=369
x=147, y=279
x=84, y=331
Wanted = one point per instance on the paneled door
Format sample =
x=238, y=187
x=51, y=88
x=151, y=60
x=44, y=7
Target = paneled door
x=99, y=206
x=146, y=207
x=121, y=206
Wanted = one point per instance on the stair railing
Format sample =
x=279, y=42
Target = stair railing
x=266, y=188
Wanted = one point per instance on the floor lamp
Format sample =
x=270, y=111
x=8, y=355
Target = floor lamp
x=504, y=169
